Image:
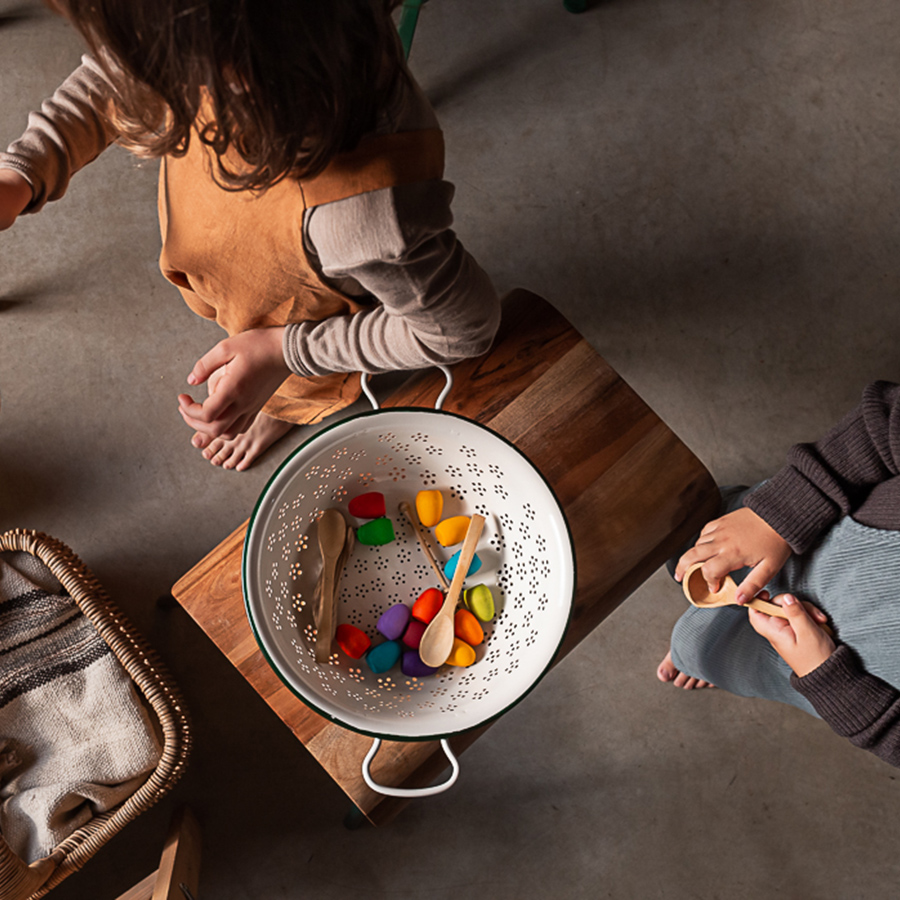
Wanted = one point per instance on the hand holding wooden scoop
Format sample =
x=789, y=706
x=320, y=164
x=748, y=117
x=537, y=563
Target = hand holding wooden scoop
x=698, y=593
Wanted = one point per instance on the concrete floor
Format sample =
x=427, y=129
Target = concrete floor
x=709, y=191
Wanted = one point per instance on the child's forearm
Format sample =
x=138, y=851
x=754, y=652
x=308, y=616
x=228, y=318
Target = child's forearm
x=15, y=195
x=855, y=704
x=831, y=478
x=435, y=304
x=380, y=340
x=68, y=131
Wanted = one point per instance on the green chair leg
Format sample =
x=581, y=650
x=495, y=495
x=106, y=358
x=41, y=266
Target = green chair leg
x=409, y=17
x=355, y=818
x=575, y=6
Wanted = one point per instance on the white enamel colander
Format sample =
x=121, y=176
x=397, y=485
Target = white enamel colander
x=527, y=561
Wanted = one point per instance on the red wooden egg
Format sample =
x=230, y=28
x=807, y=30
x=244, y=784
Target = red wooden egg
x=428, y=604
x=367, y=506
x=352, y=640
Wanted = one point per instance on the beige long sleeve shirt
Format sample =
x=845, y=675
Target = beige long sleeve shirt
x=426, y=299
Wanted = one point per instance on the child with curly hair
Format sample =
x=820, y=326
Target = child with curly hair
x=301, y=197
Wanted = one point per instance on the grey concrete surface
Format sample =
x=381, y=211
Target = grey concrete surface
x=709, y=191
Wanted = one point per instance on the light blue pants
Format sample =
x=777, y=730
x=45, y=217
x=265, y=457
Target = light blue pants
x=853, y=574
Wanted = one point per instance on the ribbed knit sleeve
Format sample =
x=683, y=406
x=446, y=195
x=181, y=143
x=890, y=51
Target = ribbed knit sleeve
x=829, y=479
x=857, y=705
x=67, y=132
x=435, y=306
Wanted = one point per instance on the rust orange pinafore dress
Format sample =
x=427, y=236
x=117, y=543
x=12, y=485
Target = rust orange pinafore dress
x=238, y=257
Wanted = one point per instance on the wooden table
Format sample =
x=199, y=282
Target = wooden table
x=631, y=490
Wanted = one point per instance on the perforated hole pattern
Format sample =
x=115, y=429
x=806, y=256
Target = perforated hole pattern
x=525, y=552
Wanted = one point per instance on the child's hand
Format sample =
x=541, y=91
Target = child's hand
x=798, y=639
x=738, y=539
x=247, y=369
x=15, y=195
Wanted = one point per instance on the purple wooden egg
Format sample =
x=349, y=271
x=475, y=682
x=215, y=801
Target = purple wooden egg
x=393, y=621
x=413, y=667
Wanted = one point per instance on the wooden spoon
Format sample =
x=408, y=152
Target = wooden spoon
x=345, y=555
x=698, y=593
x=332, y=541
x=437, y=639
x=407, y=511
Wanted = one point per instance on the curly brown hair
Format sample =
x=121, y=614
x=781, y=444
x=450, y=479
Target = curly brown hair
x=274, y=88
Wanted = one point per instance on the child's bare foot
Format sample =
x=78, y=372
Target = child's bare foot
x=666, y=671
x=240, y=452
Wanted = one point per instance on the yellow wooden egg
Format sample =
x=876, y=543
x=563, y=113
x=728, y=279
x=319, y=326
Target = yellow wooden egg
x=430, y=507
x=461, y=654
x=452, y=531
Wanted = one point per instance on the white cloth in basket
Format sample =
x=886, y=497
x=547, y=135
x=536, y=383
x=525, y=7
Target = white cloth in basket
x=79, y=738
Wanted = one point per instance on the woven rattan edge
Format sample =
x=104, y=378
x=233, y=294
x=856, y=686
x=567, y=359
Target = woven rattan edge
x=150, y=676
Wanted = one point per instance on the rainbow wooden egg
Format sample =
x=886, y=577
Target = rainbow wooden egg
x=393, y=621
x=352, y=640
x=461, y=655
x=467, y=628
x=367, y=506
x=376, y=533
x=429, y=507
x=480, y=602
x=383, y=657
x=452, y=531
x=427, y=605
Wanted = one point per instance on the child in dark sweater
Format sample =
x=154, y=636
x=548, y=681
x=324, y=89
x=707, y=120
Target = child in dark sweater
x=821, y=536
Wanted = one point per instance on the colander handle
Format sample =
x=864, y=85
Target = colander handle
x=448, y=375
x=409, y=792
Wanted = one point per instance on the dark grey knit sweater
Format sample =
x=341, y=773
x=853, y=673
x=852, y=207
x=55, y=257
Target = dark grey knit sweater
x=854, y=470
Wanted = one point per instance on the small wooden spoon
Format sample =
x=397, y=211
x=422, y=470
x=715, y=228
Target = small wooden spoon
x=437, y=639
x=332, y=541
x=407, y=511
x=698, y=593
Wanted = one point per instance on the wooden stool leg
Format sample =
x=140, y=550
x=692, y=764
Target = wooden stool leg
x=179, y=867
x=178, y=875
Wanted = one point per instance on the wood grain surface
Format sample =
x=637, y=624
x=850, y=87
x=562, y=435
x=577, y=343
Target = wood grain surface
x=631, y=491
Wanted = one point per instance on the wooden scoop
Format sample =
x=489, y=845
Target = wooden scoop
x=437, y=639
x=698, y=593
x=333, y=536
x=407, y=511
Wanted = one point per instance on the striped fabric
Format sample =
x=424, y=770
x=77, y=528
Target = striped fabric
x=43, y=637
x=75, y=739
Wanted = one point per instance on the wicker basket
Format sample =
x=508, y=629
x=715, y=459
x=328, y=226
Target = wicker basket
x=18, y=880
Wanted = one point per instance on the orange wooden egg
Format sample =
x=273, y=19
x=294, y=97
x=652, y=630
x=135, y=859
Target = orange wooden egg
x=461, y=655
x=428, y=604
x=467, y=628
